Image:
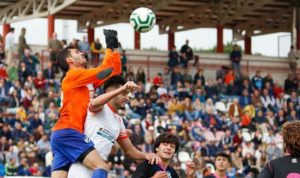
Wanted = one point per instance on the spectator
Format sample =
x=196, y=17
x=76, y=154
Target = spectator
x=222, y=163
x=235, y=109
x=245, y=99
x=19, y=133
x=130, y=74
x=176, y=76
x=2, y=52
x=49, y=75
x=23, y=169
x=137, y=136
x=236, y=57
x=44, y=146
x=277, y=90
x=166, y=75
x=40, y=83
x=267, y=100
x=54, y=45
x=293, y=59
x=229, y=77
x=257, y=81
x=268, y=80
x=4, y=89
x=163, y=144
x=140, y=75
x=30, y=61
x=290, y=84
x=124, y=62
x=173, y=58
x=199, y=76
x=187, y=77
x=97, y=50
x=186, y=54
x=11, y=168
x=211, y=90
x=84, y=46
x=9, y=46
x=22, y=45
x=13, y=72
x=63, y=43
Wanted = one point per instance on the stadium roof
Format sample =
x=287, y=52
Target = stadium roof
x=254, y=16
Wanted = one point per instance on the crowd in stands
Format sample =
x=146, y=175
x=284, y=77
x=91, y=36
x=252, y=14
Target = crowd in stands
x=235, y=113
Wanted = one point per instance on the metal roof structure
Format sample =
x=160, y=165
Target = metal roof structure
x=253, y=16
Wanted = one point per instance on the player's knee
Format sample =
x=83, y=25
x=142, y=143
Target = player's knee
x=94, y=161
x=101, y=165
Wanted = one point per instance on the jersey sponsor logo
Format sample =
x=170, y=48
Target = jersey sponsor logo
x=106, y=134
x=294, y=160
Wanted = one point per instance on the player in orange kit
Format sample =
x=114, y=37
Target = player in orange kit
x=68, y=142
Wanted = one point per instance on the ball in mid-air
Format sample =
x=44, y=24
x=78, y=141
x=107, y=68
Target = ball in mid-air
x=142, y=19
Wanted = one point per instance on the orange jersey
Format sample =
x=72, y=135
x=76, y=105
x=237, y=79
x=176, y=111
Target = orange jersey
x=76, y=87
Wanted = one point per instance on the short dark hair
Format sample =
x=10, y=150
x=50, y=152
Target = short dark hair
x=61, y=58
x=12, y=29
x=166, y=138
x=114, y=81
x=224, y=155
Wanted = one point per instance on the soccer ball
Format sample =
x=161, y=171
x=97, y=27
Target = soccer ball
x=142, y=19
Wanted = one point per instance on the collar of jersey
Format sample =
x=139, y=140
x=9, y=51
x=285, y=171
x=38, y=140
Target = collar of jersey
x=111, y=108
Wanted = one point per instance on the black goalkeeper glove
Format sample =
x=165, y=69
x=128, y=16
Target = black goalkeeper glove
x=111, y=38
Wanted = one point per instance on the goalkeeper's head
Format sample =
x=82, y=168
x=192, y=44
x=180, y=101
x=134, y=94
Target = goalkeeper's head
x=70, y=57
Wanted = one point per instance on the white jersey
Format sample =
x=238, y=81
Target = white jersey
x=103, y=128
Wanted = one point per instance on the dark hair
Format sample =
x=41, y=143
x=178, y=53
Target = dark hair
x=166, y=138
x=12, y=29
x=224, y=155
x=114, y=81
x=291, y=137
x=61, y=58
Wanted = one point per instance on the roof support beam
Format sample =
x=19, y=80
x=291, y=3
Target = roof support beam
x=279, y=20
x=120, y=12
x=29, y=9
x=244, y=7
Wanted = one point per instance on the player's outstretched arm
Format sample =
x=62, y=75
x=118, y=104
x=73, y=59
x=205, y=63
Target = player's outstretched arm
x=136, y=154
x=110, y=66
x=97, y=103
x=112, y=58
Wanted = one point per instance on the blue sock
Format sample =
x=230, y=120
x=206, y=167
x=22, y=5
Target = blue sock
x=99, y=173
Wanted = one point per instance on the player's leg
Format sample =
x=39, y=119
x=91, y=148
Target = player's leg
x=94, y=161
x=72, y=146
x=59, y=174
x=60, y=164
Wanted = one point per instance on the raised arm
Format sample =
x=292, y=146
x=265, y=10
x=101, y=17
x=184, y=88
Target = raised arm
x=97, y=103
x=110, y=66
x=134, y=153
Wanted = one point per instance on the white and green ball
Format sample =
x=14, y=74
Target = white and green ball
x=142, y=19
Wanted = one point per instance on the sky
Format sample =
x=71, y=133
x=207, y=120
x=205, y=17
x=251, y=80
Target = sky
x=276, y=44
